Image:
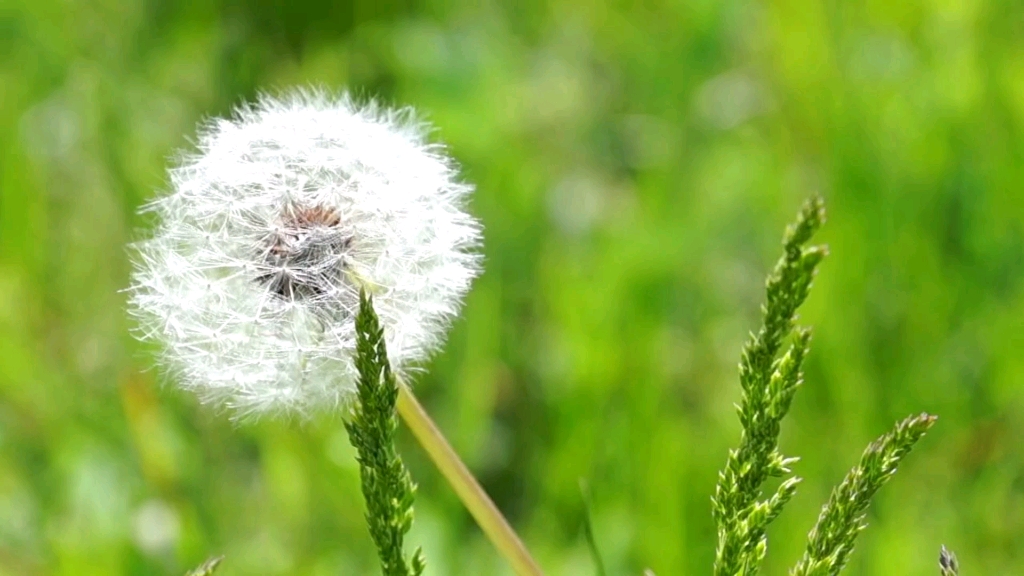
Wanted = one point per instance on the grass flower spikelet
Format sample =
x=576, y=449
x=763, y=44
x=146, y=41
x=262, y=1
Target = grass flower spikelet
x=948, y=564
x=251, y=278
x=387, y=488
x=769, y=382
x=844, y=515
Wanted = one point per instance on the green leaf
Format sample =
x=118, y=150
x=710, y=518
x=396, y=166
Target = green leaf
x=588, y=531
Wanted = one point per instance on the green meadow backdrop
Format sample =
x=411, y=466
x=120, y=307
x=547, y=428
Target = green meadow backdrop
x=635, y=163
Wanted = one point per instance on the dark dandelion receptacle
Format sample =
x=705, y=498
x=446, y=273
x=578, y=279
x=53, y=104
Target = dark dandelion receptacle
x=305, y=257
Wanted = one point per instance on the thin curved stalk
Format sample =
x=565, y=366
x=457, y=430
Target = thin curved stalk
x=465, y=485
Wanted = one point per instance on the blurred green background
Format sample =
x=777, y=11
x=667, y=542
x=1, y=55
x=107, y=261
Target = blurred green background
x=635, y=163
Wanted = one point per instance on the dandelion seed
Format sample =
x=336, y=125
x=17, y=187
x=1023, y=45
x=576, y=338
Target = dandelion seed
x=252, y=275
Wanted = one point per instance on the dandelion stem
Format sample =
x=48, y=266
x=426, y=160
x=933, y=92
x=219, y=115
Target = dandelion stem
x=465, y=485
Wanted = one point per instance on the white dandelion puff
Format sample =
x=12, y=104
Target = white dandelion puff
x=250, y=281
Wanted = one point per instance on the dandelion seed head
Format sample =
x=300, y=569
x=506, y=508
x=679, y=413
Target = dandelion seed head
x=250, y=279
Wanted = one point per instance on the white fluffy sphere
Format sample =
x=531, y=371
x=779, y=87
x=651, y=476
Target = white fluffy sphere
x=251, y=278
